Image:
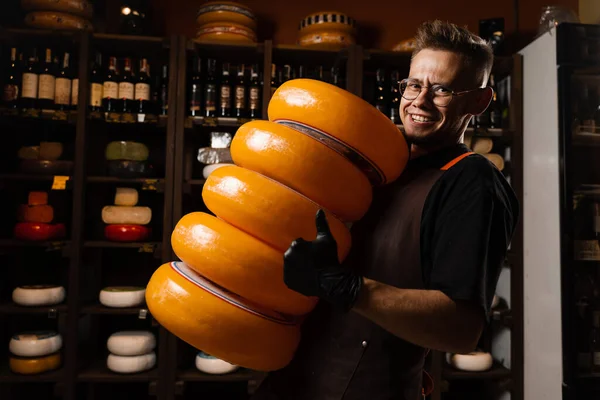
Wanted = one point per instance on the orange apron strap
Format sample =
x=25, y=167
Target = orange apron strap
x=456, y=160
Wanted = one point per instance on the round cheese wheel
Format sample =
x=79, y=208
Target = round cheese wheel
x=131, y=364
x=212, y=365
x=266, y=209
x=237, y=261
x=38, y=295
x=126, y=150
x=407, y=45
x=220, y=323
x=122, y=215
x=122, y=296
x=225, y=32
x=476, y=361
x=305, y=165
x=126, y=197
x=50, y=150
x=346, y=123
x=36, y=231
x=326, y=39
x=328, y=21
x=35, y=343
x=206, y=171
x=226, y=11
x=495, y=159
x=131, y=343
x=56, y=21
x=82, y=8
x=34, y=365
x=126, y=233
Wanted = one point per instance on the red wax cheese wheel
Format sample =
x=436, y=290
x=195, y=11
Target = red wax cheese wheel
x=218, y=322
x=34, y=231
x=56, y=21
x=226, y=11
x=305, y=165
x=78, y=7
x=267, y=209
x=126, y=233
x=42, y=214
x=346, y=123
x=236, y=261
x=37, y=198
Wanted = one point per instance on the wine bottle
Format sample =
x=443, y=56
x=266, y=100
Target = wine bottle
x=110, y=87
x=10, y=96
x=142, y=89
x=240, y=92
x=210, y=89
x=225, y=93
x=255, y=94
x=380, y=92
x=195, y=101
x=62, y=89
x=395, y=97
x=126, y=87
x=96, y=85
x=30, y=82
x=47, y=82
x=164, y=90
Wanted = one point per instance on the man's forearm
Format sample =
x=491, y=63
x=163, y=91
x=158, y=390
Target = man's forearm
x=427, y=318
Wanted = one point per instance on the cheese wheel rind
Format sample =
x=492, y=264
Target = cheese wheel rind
x=38, y=295
x=83, y=8
x=279, y=153
x=476, y=361
x=122, y=215
x=37, y=198
x=43, y=214
x=219, y=323
x=126, y=232
x=56, y=21
x=236, y=261
x=131, y=343
x=347, y=121
x=224, y=11
x=267, y=209
x=131, y=364
x=35, y=343
x=126, y=197
x=212, y=365
x=34, y=365
x=122, y=296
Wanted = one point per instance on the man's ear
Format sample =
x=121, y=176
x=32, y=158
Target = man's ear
x=482, y=99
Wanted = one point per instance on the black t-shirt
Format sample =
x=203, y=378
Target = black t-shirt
x=467, y=223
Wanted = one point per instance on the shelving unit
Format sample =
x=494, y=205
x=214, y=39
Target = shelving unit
x=84, y=261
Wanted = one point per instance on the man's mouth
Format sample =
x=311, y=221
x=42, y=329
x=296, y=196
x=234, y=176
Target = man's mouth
x=422, y=118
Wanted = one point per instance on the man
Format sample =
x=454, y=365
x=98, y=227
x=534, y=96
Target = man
x=425, y=259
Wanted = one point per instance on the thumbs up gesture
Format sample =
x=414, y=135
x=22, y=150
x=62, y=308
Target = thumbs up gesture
x=312, y=268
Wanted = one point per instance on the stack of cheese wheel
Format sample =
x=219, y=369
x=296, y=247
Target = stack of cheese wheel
x=122, y=296
x=35, y=352
x=36, y=220
x=484, y=146
x=212, y=365
x=38, y=295
x=127, y=159
x=227, y=296
x=476, y=361
x=131, y=352
x=226, y=21
x=126, y=221
x=327, y=29
x=68, y=15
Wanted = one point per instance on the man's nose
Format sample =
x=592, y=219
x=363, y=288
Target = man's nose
x=423, y=100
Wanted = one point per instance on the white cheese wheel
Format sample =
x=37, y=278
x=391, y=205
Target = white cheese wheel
x=476, y=361
x=206, y=171
x=126, y=197
x=122, y=296
x=137, y=215
x=131, y=364
x=212, y=365
x=35, y=343
x=38, y=295
x=131, y=343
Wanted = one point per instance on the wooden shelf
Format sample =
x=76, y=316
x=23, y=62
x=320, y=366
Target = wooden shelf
x=49, y=245
x=12, y=308
x=98, y=372
x=233, y=122
x=99, y=309
x=6, y=375
x=194, y=375
x=149, y=184
x=143, y=246
x=29, y=177
x=495, y=373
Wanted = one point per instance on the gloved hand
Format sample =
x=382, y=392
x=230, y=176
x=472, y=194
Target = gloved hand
x=312, y=269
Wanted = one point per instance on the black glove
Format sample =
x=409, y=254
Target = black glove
x=313, y=269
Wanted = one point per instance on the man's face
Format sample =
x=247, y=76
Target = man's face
x=425, y=123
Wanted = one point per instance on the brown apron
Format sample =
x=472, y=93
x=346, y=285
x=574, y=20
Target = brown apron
x=344, y=355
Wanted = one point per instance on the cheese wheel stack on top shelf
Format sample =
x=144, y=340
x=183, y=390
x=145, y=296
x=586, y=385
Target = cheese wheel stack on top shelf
x=44, y=159
x=68, y=15
x=127, y=159
x=327, y=29
x=227, y=296
x=131, y=352
x=226, y=21
x=36, y=220
x=35, y=352
x=125, y=220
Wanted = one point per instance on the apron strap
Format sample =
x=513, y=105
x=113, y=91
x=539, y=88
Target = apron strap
x=456, y=160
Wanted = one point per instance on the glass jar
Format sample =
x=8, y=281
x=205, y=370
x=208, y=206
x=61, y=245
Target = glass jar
x=553, y=15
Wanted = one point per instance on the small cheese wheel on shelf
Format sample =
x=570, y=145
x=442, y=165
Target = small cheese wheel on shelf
x=477, y=361
x=213, y=319
x=50, y=150
x=43, y=214
x=35, y=231
x=34, y=365
x=279, y=152
x=206, y=171
x=35, y=343
x=266, y=209
x=254, y=270
x=496, y=159
x=126, y=197
x=122, y=296
x=328, y=21
x=344, y=122
x=82, y=8
x=122, y=215
x=56, y=21
x=226, y=11
x=126, y=233
x=29, y=152
x=131, y=343
x=38, y=295
x=126, y=150
x=226, y=32
x=37, y=198
x=213, y=365
x=131, y=364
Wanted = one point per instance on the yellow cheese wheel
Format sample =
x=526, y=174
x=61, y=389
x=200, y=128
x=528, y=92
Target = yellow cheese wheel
x=304, y=164
x=226, y=11
x=218, y=322
x=34, y=365
x=326, y=39
x=267, y=209
x=225, y=32
x=328, y=21
x=56, y=21
x=237, y=261
x=345, y=122
x=82, y=8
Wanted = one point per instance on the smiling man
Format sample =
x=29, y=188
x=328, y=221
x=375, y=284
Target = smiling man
x=425, y=259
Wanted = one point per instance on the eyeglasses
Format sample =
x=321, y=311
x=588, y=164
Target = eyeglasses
x=440, y=95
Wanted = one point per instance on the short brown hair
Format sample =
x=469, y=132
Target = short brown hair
x=440, y=35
